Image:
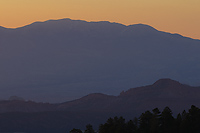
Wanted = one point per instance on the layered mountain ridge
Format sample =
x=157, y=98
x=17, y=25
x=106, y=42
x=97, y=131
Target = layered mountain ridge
x=96, y=108
x=164, y=92
x=61, y=60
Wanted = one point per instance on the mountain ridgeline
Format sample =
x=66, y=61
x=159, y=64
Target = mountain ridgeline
x=60, y=60
x=164, y=92
x=28, y=116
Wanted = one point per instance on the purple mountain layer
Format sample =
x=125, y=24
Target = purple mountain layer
x=60, y=60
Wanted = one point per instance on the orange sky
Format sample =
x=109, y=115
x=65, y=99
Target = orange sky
x=175, y=16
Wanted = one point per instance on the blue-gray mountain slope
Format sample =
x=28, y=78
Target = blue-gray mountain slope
x=60, y=60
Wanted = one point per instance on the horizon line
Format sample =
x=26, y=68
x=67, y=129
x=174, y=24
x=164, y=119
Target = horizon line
x=112, y=22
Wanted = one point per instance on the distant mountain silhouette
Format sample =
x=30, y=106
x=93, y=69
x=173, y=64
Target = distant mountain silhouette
x=17, y=115
x=164, y=92
x=60, y=60
x=16, y=98
x=25, y=106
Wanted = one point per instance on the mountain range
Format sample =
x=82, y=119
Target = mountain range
x=61, y=60
x=96, y=108
x=164, y=92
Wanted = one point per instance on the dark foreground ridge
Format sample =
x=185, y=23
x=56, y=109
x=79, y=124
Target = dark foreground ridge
x=164, y=92
x=21, y=115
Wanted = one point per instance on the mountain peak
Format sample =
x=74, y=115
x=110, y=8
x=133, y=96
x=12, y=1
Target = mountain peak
x=16, y=98
x=161, y=84
x=2, y=28
x=142, y=27
x=166, y=82
x=95, y=96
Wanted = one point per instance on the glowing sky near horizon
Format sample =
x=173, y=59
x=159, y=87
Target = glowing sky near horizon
x=175, y=16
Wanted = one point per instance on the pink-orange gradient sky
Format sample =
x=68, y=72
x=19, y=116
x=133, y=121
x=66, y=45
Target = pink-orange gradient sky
x=175, y=16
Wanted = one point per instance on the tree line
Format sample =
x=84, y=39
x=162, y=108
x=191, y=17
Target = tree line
x=151, y=122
